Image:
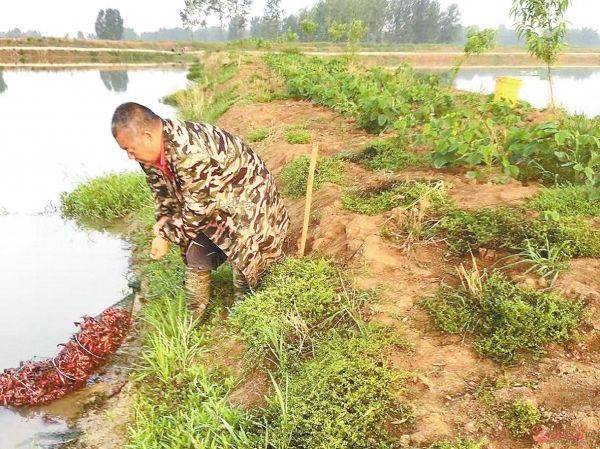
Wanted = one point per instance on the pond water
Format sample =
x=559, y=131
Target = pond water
x=56, y=133
x=575, y=89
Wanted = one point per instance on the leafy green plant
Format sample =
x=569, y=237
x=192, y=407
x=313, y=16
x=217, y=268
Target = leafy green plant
x=478, y=42
x=511, y=228
x=544, y=26
x=506, y=320
x=521, y=417
x=565, y=151
x=294, y=176
x=297, y=303
x=297, y=135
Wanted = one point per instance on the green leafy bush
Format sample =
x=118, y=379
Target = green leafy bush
x=294, y=175
x=505, y=319
x=384, y=198
x=566, y=151
x=522, y=417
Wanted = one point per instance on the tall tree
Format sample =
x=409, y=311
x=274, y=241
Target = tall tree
x=450, y=24
x=109, y=24
x=271, y=18
x=543, y=25
x=195, y=13
x=237, y=11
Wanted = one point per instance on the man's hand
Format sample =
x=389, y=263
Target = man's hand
x=160, y=248
x=159, y=224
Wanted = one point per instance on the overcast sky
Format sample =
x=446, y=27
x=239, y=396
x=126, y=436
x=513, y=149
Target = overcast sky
x=58, y=17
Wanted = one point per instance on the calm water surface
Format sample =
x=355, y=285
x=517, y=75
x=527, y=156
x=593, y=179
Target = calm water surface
x=577, y=90
x=55, y=129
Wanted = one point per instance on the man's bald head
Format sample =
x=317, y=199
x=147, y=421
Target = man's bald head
x=134, y=118
x=138, y=131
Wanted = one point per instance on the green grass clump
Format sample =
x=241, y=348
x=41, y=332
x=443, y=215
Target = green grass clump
x=409, y=193
x=343, y=398
x=296, y=303
x=459, y=443
x=297, y=135
x=257, y=135
x=196, y=71
x=568, y=201
x=294, y=175
x=505, y=319
x=515, y=230
x=522, y=417
x=180, y=403
x=107, y=198
x=386, y=154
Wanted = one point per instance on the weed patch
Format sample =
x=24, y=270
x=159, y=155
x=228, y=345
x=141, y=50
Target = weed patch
x=407, y=194
x=581, y=201
x=521, y=417
x=459, y=443
x=294, y=176
x=506, y=320
x=297, y=135
x=257, y=135
x=344, y=397
x=515, y=230
x=386, y=154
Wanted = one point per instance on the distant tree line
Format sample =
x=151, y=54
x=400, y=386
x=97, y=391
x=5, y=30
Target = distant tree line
x=379, y=21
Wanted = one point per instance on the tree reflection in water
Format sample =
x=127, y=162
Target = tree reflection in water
x=3, y=85
x=115, y=81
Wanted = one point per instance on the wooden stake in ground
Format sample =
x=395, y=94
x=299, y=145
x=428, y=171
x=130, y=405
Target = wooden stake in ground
x=309, y=190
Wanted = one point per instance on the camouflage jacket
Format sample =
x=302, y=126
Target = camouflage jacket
x=222, y=188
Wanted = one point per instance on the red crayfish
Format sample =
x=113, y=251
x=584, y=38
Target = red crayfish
x=41, y=381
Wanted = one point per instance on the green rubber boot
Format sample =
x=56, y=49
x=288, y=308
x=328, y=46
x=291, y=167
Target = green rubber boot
x=197, y=290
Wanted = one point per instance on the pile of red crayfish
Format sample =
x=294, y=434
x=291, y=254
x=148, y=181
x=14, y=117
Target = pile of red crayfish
x=41, y=381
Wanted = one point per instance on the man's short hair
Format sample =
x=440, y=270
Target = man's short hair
x=133, y=116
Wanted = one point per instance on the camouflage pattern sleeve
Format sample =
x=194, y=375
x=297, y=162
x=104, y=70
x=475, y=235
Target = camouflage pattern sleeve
x=164, y=204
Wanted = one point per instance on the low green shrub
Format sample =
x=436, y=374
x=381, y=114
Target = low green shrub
x=294, y=175
x=296, y=304
x=505, y=319
x=521, y=417
x=107, y=197
x=515, y=229
x=257, y=135
x=297, y=135
x=409, y=193
x=568, y=201
x=343, y=398
x=386, y=154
